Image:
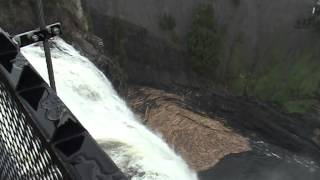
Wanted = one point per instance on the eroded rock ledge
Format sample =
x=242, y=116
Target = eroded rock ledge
x=202, y=141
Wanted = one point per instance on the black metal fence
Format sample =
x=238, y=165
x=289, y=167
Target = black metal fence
x=22, y=153
x=40, y=139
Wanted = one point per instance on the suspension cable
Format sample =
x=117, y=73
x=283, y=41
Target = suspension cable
x=46, y=46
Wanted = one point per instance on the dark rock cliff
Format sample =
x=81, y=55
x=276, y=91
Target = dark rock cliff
x=263, y=53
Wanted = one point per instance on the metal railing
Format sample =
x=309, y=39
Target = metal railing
x=40, y=139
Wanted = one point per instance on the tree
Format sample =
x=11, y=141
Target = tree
x=203, y=41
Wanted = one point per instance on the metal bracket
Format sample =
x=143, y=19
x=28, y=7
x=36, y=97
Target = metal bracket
x=37, y=35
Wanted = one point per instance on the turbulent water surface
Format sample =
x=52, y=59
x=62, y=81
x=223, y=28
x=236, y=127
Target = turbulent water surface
x=90, y=96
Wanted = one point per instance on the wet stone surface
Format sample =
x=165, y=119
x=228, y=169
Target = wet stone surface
x=264, y=162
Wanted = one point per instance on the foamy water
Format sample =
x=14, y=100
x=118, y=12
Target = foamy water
x=140, y=153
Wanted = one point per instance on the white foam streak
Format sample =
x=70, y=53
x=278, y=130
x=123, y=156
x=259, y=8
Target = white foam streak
x=91, y=97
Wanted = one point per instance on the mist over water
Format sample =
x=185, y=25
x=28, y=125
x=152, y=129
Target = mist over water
x=140, y=154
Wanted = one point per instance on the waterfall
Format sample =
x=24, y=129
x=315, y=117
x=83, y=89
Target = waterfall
x=138, y=152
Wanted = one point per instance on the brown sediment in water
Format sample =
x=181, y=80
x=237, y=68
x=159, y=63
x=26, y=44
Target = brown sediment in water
x=200, y=140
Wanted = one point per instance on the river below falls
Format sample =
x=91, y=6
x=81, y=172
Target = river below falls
x=264, y=162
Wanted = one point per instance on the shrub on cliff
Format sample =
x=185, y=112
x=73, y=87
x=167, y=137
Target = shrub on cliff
x=167, y=22
x=204, y=42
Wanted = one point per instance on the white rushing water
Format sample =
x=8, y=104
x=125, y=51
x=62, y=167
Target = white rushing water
x=140, y=153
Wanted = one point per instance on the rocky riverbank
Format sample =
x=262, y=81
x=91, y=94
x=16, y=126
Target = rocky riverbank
x=202, y=141
x=295, y=132
x=229, y=135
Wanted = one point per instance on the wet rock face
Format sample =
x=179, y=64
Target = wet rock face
x=202, y=141
x=16, y=16
x=93, y=47
x=316, y=137
x=145, y=59
x=264, y=55
x=256, y=166
x=291, y=131
x=146, y=13
x=20, y=16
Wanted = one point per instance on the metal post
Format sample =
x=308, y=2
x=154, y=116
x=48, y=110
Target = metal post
x=46, y=45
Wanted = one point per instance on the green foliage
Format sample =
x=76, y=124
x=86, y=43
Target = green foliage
x=204, y=41
x=292, y=88
x=292, y=82
x=167, y=22
x=236, y=74
x=299, y=106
